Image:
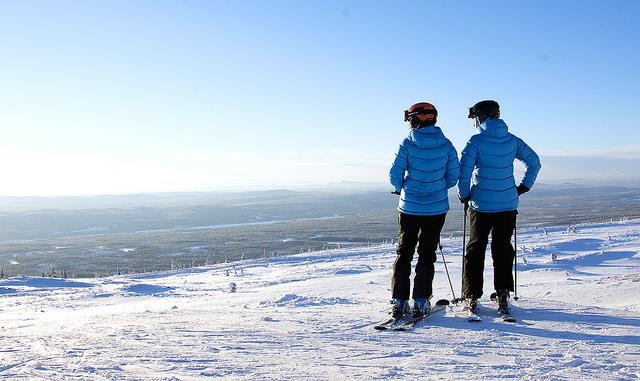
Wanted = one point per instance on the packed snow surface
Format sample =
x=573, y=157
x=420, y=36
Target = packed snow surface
x=311, y=316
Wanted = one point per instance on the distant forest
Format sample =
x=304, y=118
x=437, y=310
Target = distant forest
x=130, y=234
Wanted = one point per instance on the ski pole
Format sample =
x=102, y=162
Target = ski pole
x=464, y=249
x=515, y=258
x=447, y=271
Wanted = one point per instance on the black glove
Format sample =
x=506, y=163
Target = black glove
x=465, y=202
x=522, y=189
x=395, y=192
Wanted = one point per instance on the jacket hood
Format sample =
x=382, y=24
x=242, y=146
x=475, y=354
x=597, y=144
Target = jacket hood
x=494, y=127
x=427, y=137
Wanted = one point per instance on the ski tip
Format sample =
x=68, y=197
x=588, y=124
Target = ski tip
x=474, y=318
x=442, y=302
x=383, y=326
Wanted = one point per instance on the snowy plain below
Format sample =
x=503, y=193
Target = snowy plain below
x=311, y=316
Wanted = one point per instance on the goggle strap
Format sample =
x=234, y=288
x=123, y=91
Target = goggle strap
x=421, y=111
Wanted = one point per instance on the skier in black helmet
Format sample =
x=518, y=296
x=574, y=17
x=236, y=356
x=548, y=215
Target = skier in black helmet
x=487, y=186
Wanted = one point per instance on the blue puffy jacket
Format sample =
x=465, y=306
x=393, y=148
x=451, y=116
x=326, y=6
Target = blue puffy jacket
x=486, y=168
x=431, y=166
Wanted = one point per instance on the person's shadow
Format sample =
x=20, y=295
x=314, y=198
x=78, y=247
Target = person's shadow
x=527, y=318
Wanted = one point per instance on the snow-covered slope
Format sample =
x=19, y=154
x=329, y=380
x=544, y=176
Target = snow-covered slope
x=310, y=316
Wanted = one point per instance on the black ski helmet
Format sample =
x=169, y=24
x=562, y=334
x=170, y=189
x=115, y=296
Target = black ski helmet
x=484, y=110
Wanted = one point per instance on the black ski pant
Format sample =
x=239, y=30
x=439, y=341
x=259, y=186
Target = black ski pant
x=501, y=226
x=423, y=231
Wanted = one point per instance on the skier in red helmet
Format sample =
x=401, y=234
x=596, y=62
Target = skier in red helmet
x=425, y=167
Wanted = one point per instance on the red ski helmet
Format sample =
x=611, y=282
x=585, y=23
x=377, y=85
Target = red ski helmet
x=421, y=114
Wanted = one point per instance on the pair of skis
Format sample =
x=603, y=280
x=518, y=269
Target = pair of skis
x=406, y=322
x=503, y=316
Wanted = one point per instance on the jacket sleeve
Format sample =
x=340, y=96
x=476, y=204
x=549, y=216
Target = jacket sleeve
x=531, y=163
x=399, y=167
x=453, y=167
x=467, y=164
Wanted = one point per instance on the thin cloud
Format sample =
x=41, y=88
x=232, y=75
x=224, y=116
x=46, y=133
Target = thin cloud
x=622, y=152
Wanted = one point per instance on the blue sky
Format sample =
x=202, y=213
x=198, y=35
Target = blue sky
x=121, y=96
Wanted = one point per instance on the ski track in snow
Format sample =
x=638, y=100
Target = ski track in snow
x=311, y=316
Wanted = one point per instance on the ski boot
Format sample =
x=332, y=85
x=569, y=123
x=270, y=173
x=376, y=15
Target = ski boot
x=472, y=305
x=502, y=298
x=421, y=307
x=472, y=309
x=400, y=308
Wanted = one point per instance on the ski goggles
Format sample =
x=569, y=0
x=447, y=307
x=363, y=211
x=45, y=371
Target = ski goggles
x=408, y=115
